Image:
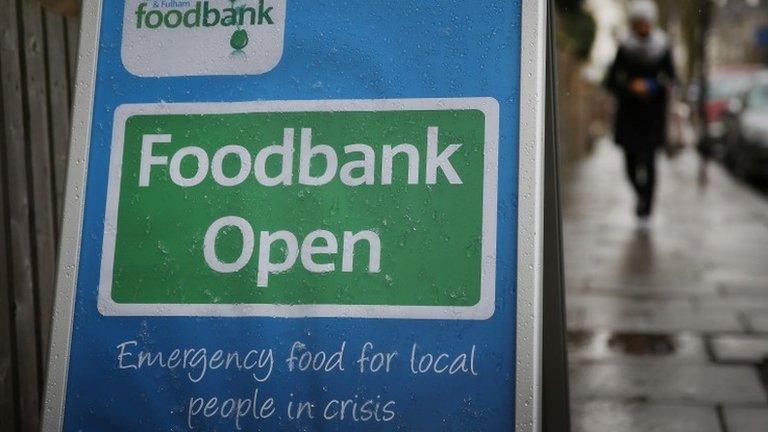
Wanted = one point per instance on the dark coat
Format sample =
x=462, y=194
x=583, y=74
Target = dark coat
x=641, y=122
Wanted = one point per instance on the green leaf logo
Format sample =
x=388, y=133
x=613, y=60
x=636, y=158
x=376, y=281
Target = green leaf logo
x=239, y=39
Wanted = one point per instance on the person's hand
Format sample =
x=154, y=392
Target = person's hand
x=639, y=87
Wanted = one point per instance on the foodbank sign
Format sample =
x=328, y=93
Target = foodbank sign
x=211, y=37
x=367, y=208
x=202, y=14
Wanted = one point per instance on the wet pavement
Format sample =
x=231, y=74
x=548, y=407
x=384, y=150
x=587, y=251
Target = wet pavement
x=668, y=328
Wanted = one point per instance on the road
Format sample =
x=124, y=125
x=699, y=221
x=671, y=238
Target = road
x=668, y=328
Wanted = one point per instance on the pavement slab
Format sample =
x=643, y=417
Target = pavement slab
x=746, y=419
x=664, y=382
x=605, y=416
x=758, y=321
x=628, y=318
x=740, y=348
x=596, y=346
x=667, y=326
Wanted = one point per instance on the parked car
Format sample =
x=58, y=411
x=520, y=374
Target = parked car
x=725, y=85
x=746, y=142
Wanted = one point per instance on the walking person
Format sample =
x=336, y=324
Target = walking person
x=640, y=79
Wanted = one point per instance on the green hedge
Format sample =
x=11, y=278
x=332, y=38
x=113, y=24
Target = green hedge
x=576, y=28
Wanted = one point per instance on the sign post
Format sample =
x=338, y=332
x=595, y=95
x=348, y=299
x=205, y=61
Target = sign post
x=555, y=403
x=289, y=215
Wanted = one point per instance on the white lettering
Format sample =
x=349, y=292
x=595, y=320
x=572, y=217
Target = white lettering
x=266, y=266
x=374, y=254
x=217, y=169
x=201, y=170
x=309, y=249
x=440, y=161
x=148, y=159
x=209, y=244
x=286, y=163
x=309, y=152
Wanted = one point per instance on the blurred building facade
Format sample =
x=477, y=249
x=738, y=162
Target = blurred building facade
x=577, y=95
x=739, y=33
x=736, y=34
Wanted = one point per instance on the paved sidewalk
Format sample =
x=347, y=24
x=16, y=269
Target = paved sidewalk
x=668, y=329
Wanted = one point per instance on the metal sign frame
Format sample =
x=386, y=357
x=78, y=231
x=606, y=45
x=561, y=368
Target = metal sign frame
x=530, y=216
x=555, y=404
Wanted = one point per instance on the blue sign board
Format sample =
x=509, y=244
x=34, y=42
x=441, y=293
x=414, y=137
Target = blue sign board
x=302, y=215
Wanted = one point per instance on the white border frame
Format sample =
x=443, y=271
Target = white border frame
x=531, y=169
x=530, y=214
x=74, y=205
x=485, y=307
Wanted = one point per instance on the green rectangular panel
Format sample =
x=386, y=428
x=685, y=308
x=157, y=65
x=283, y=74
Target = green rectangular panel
x=343, y=207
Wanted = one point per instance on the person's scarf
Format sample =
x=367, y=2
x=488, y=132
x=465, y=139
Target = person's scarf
x=647, y=50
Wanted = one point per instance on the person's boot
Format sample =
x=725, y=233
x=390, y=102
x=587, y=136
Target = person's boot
x=641, y=210
x=644, y=214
